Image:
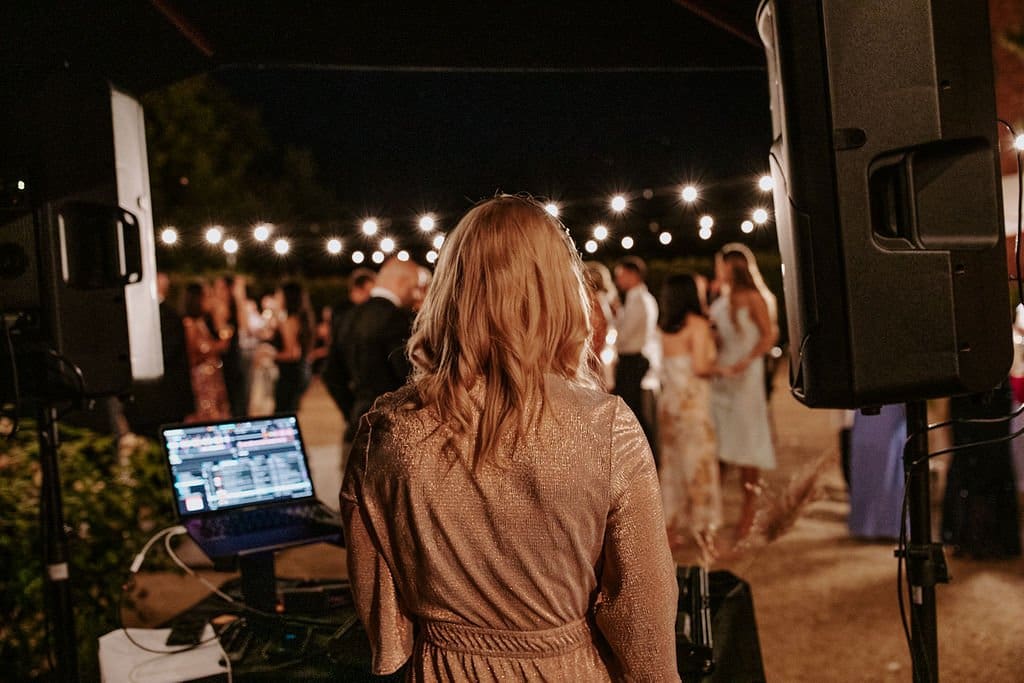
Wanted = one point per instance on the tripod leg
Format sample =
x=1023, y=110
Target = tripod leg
x=58, y=579
x=925, y=563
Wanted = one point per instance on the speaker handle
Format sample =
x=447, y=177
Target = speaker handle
x=129, y=242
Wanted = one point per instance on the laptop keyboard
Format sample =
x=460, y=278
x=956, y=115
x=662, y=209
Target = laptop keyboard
x=251, y=521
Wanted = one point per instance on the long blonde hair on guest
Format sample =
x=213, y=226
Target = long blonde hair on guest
x=507, y=306
x=746, y=275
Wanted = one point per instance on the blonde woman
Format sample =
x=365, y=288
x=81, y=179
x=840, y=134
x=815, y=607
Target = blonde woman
x=503, y=515
x=744, y=320
x=600, y=291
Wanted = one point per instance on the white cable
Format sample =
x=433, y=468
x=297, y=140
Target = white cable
x=227, y=659
x=191, y=572
x=141, y=556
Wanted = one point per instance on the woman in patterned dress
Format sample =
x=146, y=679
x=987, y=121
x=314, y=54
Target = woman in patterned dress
x=688, y=463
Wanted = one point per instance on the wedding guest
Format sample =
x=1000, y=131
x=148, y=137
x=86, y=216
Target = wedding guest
x=636, y=375
x=335, y=375
x=293, y=340
x=742, y=317
x=227, y=313
x=600, y=314
x=204, y=350
x=688, y=452
x=502, y=514
x=876, y=473
x=980, y=517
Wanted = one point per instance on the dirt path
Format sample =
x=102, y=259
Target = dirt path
x=826, y=604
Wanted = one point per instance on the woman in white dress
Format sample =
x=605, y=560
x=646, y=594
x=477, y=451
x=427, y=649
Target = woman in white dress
x=688, y=466
x=744, y=321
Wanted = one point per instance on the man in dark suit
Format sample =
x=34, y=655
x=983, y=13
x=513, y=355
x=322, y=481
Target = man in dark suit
x=367, y=356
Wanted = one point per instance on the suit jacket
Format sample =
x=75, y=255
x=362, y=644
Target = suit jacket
x=367, y=356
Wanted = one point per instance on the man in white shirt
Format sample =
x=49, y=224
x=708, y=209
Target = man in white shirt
x=637, y=343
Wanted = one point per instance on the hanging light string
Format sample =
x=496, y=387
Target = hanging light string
x=370, y=241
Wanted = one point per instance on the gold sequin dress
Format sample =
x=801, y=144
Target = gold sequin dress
x=551, y=565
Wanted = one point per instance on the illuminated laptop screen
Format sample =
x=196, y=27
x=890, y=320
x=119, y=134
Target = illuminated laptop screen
x=231, y=464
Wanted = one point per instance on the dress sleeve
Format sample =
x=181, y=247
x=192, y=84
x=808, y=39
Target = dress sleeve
x=373, y=588
x=637, y=605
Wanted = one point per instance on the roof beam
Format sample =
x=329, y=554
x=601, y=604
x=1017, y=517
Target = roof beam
x=714, y=14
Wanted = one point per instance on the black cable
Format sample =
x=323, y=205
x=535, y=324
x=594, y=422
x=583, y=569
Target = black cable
x=124, y=629
x=901, y=549
x=967, y=421
x=66, y=363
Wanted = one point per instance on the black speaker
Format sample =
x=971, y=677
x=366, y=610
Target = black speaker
x=887, y=198
x=736, y=647
x=66, y=249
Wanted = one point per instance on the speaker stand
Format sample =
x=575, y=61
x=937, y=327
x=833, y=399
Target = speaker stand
x=926, y=563
x=55, y=544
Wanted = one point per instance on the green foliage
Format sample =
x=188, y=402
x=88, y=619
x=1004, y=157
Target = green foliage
x=113, y=499
x=212, y=160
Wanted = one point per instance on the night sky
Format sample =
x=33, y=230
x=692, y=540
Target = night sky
x=394, y=144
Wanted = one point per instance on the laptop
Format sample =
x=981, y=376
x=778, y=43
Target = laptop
x=243, y=487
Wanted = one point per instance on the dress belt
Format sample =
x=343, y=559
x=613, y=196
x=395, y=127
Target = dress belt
x=502, y=643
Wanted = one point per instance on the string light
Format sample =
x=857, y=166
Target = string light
x=403, y=255
x=665, y=237
x=590, y=246
x=427, y=223
x=431, y=257
x=261, y=233
x=377, y=257
x=21, y=184
x=358, y=257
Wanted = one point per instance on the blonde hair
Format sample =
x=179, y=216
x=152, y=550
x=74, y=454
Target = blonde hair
x=507, y=305
x=742, y=251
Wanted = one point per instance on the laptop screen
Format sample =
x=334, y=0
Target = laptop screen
x=226, y=465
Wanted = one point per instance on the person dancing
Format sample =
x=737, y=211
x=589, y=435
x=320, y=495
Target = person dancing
x=502, y=514
x=688, y=464
x=743, y=317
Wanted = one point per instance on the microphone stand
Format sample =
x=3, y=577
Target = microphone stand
x=926, y=563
